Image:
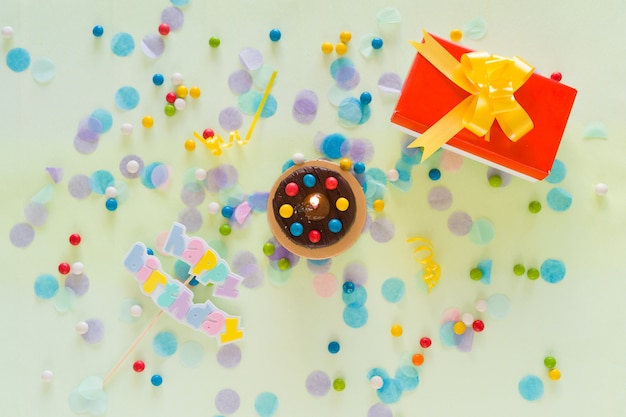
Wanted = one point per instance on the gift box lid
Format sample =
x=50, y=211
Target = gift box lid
x=428, y=95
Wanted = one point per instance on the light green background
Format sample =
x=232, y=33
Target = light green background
x=580, y=321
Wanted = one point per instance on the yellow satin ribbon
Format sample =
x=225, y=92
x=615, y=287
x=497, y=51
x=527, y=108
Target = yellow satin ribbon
x=432, y=270
x=491, y=81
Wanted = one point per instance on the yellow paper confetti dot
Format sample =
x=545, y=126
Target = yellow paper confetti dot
x=194, y=92
x=456, y=35
x=345, y=164
x=396, y=330
x=341, y=48
x=182, y=91
x=190, y=144
x=378, y=205
x=345, y=36
x=342, y=204
x=459, y=327
x=285, y=211
x=327, y=47
x=147, y=122
x=554, y=374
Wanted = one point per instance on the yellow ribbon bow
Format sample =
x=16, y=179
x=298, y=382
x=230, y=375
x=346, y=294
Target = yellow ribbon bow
x=491, y=81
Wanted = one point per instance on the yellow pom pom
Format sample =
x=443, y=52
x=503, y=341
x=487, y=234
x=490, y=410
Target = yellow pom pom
x=459, y=327
x=554, y=374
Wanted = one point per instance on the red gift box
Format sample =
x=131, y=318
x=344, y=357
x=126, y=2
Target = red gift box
x=428, y=96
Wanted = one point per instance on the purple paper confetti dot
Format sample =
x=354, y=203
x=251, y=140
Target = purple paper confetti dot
x=153, y=45
x=440, y=198
x=240, y=81
x=79, y=283
x=317, y=383
x=78, y=186
x=361, y=150
x=36, y=214
x=229, y=356
x=356, y=273
x=173, y=17
x=124, y=166
x=382, y=230
x=192, y=194
x=84, y=147
x=379, y=410
x=95, y=333
x=22, y=235
x=227, y=401
x=230, y=118
x=251, y=58
x=460, y=223
x=390, y=82
x=191, y=218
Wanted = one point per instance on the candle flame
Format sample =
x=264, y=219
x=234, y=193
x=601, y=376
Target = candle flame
x=315, y=202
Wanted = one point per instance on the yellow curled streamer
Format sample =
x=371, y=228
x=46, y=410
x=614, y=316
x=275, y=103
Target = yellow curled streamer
x=491, y=81
x=432, y=270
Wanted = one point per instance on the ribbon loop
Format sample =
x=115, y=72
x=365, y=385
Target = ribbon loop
x=491, y=81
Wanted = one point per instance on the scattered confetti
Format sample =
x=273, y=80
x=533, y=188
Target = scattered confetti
x=227, y=401
x=559, y=199
x=22, y=235
x=393, y=290
x=266, y=404
x=95, y=333
x=552, y=271
x=122, y=44
x=530, y=388
x=229, y=356
x=191, y=353
x=317, y=383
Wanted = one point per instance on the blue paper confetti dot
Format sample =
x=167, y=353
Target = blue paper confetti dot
x=46, y=286
x=393, y=290
x=356, y=298
x=407, y=378
x=105, y=118
x=266, y=404
x=332, y=145
x=122, y=44
x=552, y=271
x=530, y=388
x=355, y=317
x=446, y=334
x=557, y=173
x=18, y=59
x=127, y=98
x=100, y=180
x=390, y=392
x=165, y=344
x=559, y=199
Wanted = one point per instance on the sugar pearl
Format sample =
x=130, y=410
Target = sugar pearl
x=136, y=310
x=177, y=78
x=601, y=189
x=481, y=306
x=7, y=32
x=200, y=174
x=213, y=207
x=180, y=104
x=78, y=268
x=132, y=166
x=110, y=192
x=376, y=382
x=82, y=327
x=298, y=158
x=467, y=319
x=393, y=175
x=47, y=376
x=126, y=129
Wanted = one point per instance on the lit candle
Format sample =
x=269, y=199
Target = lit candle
x=316, y=206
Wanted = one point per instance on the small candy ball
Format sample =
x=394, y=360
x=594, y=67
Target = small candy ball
x=156, y=380
x=393, y=175
x=298, y=158
x=556, y=76
x=47, y=376
x=478, y=326
x=456, y=35
x=227, y=211
x=177, y=78
x=208, y=133
x=132, y=166
x=359, y=168
x=476, y=274
x=268, y=249
x=200, y=174
x=341, y=48
x=495, y=181
x=339, y=385
x=126, y=129
x=554, y=374
x=169, y=110
x=158, y=79
x=601, y=189
x=147, y=122
x=425, y=342
x=8, y=32
x=417, y=359
x=345, y=36
x=275, y=35
x=377, y=43
x=110, y=192
x=213, y=207
x=519, y=270
x=214, y=42
x=481, y=306
x=549, y=362
x=97, y=31
x=467, y=319
x=150, y=251
x=139, y=366
x=532, y=274
x=78, y=268
x=378, y=205
x=534, y=206
x=283, y=264
x=64, y=268
x=180, y=104
x=396, y=330
x=164, y=29
x=333, y=347
x=365, y=97
x=225, y=229
x=194, y=92
x=459, y=327
x=315, y=236
x=327, y=48
x=190, y=145
x=345, y=164
x=348, y=287
x=136, y=310
x=182, y=91
x=75, y=239
x=111, y=204
x=170, y=97
x=434, y=174
x=81, y=327
x=376, y=382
